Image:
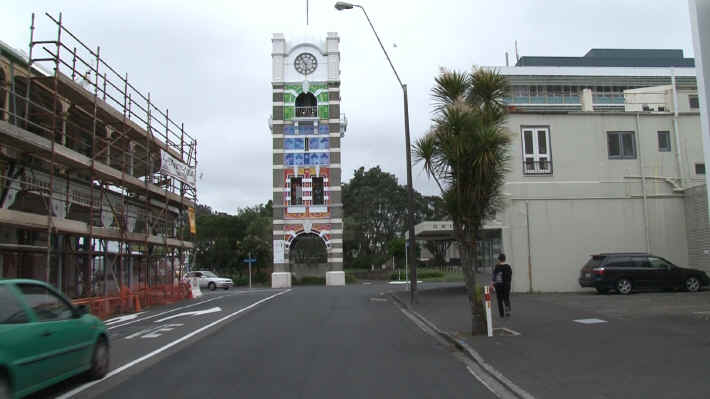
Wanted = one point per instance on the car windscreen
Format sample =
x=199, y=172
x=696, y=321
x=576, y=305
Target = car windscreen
x=209, y=274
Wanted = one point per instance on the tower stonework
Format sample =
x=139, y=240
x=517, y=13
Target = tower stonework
x=307, y=128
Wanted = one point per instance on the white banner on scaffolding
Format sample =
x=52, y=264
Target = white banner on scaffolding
x=173, y=167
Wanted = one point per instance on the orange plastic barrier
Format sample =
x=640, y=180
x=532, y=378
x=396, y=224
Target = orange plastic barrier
x=129, y=301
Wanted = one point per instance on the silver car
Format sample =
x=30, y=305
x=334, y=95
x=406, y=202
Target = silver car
x=210, y=280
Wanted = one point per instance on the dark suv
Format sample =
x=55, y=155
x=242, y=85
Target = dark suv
x=625, y=272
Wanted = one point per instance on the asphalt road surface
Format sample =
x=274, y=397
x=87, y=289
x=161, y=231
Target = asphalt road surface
x=308, y=342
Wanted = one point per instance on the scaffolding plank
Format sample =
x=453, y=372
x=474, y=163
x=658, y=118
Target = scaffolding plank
x=39, y=222
x=74, y=92
x=36, y=143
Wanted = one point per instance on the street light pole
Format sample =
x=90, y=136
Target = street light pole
x=341, y=5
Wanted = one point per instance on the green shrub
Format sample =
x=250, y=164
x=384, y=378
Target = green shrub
x=239, y=281
x=309, y=280
x=421, y=274
x=429, y=274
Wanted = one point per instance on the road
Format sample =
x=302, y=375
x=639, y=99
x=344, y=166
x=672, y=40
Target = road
x=308, y=342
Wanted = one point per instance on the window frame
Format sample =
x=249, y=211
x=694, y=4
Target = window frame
x=536, y=156
x=315, y=193
x=666, y=265
x=694, y=98
x=620, y=134
x=13, y=295
x=667, y=134
x=701, y=164
x=293, y=191
x=37, y=315
x=613, y=262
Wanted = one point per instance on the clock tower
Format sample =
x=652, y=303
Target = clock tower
x=307, y=128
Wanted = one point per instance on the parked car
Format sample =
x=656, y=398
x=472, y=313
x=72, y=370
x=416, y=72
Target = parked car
x=210, y=280
x=626, y=272
x=45, y=339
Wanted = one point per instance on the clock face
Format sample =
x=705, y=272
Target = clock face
x=305, y=63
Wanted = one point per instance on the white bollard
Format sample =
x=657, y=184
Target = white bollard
x=489, y=319
x=195, y=287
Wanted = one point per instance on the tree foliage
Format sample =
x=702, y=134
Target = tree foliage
x=375, y=208
x=224, y=240
x=466, y=154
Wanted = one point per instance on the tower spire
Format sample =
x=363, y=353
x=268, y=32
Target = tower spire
x=306, y=12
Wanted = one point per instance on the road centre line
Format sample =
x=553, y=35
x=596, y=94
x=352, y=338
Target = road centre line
x=167, y=346
x=162, y=313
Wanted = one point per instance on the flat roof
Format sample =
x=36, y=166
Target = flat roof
x=593, y=71
x=607, y=57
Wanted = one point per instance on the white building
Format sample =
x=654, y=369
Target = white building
x=604, y=149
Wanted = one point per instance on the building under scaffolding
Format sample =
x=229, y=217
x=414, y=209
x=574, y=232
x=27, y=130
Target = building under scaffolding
x=97, y=182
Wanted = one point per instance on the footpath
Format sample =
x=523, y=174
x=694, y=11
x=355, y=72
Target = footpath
x=646, y=345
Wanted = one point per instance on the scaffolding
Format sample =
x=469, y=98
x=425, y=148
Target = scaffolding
x=97, y=181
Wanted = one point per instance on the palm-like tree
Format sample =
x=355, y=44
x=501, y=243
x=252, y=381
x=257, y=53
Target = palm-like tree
x=466, y=154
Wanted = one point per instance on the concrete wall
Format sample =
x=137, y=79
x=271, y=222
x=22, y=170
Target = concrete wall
x=591, y=203
x=698, y=229
x=564, y=233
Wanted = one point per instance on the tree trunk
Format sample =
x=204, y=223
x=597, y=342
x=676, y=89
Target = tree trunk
x=474, y=298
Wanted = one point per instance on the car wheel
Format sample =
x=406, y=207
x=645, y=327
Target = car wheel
x=5, y=387
x=212, y=286
x=692, y=284
x=624, y=286
x=602, y=290
x=100, y=360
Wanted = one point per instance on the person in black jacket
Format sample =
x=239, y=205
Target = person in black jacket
x=502, y=275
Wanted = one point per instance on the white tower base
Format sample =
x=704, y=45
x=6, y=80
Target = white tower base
x=335, y=278
x=281, y=280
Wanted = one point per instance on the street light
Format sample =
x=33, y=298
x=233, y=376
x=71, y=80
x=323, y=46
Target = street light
x=341, y=5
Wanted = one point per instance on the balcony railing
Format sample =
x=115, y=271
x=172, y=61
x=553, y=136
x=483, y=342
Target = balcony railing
x=306, y=112
x=541, y=167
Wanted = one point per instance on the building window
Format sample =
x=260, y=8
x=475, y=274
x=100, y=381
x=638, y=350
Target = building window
x=296, y=191
x=621, y=145
x=693, y=101
x=699, y=168
x=307, y=144
x=318, y=191
x=536, y=151
x=664, y=141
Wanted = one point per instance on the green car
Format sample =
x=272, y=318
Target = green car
x=45, y=339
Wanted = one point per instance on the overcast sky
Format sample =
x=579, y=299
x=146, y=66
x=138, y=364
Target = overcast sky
x=210, y=64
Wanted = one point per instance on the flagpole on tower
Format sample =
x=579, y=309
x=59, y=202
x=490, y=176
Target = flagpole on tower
x=306, y=12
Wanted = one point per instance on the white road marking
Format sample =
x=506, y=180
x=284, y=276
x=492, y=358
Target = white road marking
x=167, y=346
x=156, y=333
x=166, y=312
x=153, y=330
x=508, y=330
x=237, y=292
x=589, y=321
x=704, y=312
x=121, y=319
x=195, y=313
x=378, y=299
